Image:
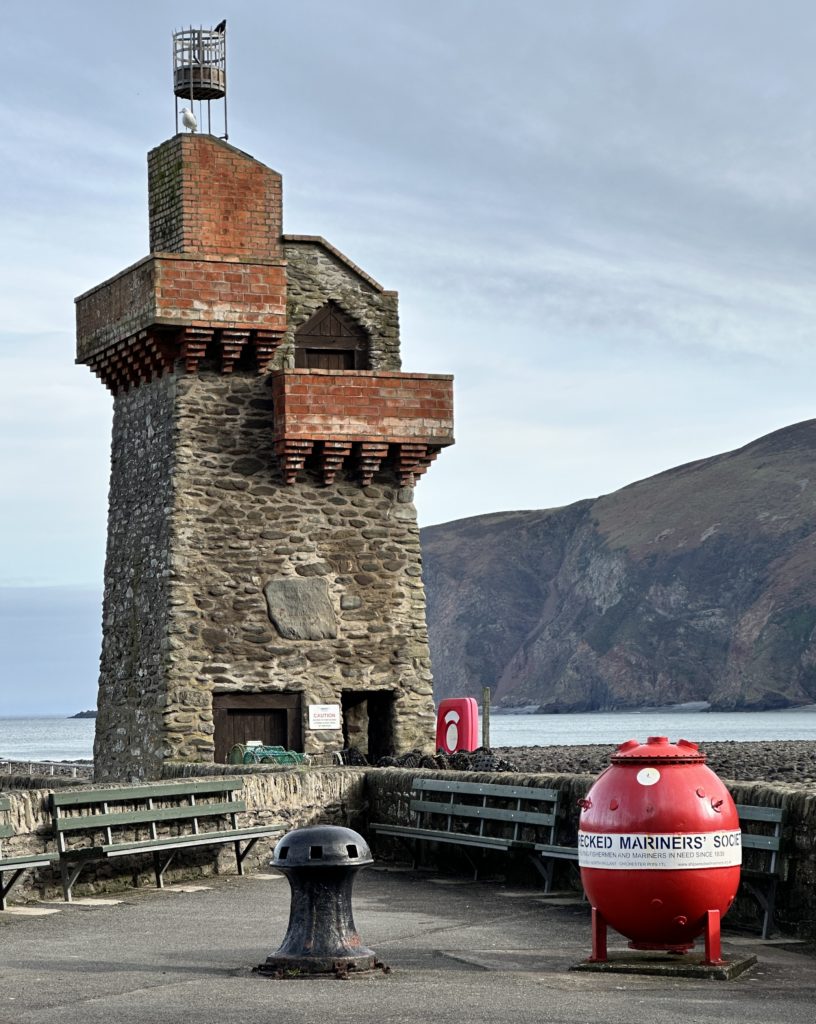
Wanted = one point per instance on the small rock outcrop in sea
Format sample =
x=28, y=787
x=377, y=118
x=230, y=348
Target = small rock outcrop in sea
x=84, y=714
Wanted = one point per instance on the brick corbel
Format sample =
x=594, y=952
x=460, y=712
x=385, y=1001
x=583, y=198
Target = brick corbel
x=370, y=456
x=332, y=455
x=193, y=345
x=265, y=342
x=413, y=460
x=292, y=455
x=232, y=343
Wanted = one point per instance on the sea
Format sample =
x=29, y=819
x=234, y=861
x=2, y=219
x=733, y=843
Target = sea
x=54, y=738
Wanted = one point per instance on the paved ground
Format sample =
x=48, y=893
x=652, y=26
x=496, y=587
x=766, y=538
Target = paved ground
x=460, y=951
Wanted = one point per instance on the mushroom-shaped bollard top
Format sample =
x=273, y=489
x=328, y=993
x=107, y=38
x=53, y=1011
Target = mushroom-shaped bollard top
x=320, y=863
x=321, y=846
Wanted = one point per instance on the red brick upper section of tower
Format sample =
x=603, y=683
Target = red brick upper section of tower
x=208, y=198
x=216, y=265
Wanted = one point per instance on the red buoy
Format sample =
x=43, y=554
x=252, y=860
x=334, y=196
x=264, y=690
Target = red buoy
x=659, y=848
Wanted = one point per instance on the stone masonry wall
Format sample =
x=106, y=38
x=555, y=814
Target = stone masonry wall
x=317, y=273
x=237, y=528
x=129, y=730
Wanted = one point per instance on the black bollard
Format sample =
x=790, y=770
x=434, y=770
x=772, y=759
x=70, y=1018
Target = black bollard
x=320, y=863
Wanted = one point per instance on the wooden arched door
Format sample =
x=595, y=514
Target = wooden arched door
x=331, y=340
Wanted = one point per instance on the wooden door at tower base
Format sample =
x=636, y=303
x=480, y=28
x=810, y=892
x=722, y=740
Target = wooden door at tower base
x=274, y=719
x=241, y=726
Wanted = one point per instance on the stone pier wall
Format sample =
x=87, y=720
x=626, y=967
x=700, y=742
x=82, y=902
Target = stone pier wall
x=355, y=797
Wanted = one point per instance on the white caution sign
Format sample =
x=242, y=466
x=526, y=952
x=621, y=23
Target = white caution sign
x=324, y=716
x=671, y=851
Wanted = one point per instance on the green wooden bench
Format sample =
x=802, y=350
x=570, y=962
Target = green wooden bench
x=485, y=816
x=99, y=824
x=761, y=870
x=16, y=865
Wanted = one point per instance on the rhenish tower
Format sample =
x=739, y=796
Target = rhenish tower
x=263, y=571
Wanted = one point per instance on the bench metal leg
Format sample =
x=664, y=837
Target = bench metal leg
x=241, y=854
x=768, y=907
x=766, y=901
x=545, y=869
x=160, y=866
x=474, y=864
x=69, y=875
x=5, y=888
x=412, y=846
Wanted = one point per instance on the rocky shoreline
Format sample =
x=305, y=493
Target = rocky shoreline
x=790, y=761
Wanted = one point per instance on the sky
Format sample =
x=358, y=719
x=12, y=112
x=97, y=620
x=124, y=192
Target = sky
x=599, y=217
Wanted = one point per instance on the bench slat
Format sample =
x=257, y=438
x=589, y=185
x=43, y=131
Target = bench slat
x=459, y=838
x=6, y=831
x=487, y=813
x=32, y=860
x=201, y=839
x=562, y=852
x=486, y=789
x=752, y=842
x=5, y=803
x=750, y=813
x=89, y=797
x=86, y=822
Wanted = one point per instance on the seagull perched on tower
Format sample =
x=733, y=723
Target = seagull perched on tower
x=188, y=119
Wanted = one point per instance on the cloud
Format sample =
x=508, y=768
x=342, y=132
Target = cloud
x=598, y=216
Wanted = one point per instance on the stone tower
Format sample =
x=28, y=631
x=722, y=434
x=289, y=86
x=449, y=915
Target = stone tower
x=263, y=573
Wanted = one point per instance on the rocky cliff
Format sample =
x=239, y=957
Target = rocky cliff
x=698, y=584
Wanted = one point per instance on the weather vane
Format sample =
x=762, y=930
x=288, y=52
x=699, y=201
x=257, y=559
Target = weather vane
x=200, y=75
